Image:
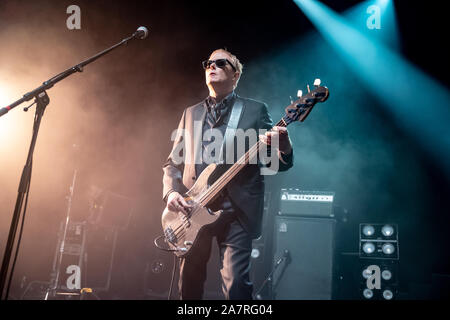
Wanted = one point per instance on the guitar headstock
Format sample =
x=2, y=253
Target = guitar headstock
x=300, y=108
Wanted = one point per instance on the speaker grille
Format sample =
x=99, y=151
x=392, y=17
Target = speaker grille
x=308, y=272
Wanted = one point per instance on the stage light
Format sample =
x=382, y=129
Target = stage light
x=255, y=253
x=368, y=230
x=368, y=293
x=15, y=126
x=382, y=274
x=5, y=125
x=368, y=247
x=388, y=248
x=378, y=241
x=387, y=230
x=366, y=273
x=387, y=294
x=386, y=275
x=378, y=253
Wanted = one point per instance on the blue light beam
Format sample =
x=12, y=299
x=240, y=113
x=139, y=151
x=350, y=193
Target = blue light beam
x=377, y=19
x=419, y=104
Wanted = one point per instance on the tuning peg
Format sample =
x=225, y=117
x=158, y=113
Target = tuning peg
x=299, y=93
x=317, y=82
x=307, y=86
x=292, y=100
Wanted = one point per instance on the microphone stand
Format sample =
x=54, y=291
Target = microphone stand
x=284, y=257
x=41, y=100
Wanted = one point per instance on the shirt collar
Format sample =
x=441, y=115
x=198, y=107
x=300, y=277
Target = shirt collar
x=211, y=101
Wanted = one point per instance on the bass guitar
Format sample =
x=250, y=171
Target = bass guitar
x=180, y=230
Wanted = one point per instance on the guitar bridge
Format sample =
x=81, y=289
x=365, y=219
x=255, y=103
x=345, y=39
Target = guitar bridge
x=170, y=235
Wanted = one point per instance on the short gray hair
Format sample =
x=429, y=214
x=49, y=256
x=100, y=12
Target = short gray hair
x=234, y=61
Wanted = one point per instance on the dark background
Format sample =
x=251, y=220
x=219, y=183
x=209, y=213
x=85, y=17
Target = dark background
x=122, y=109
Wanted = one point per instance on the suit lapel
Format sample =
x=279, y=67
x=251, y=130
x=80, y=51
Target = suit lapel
x=196, y=132
x=242, y=112
x=198, y=117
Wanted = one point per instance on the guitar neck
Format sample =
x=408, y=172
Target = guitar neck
x=220, y=183
x=297, y=111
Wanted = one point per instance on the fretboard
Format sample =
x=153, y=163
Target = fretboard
x=226, y=177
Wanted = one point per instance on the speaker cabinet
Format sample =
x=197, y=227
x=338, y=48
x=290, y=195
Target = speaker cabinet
x=303, y=258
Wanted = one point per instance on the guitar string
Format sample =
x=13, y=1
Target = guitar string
x=240, y=164
x=207, y=196
x=227, y=176
x=224, y=179
x=210, y=193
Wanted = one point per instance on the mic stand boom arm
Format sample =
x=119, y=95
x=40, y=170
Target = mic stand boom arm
x=41, y=100
x=52, y=81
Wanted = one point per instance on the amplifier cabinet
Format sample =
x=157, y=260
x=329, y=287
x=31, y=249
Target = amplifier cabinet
x=315, y=204
x=308, y=271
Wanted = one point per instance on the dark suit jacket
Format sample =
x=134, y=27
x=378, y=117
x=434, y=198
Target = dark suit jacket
x=246, y=190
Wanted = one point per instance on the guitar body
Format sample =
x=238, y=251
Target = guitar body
x=181, y=232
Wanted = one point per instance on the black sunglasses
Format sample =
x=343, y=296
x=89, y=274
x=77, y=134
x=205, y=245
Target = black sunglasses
x=221, y=63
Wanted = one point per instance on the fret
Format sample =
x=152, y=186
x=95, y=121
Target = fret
x=218, y=185
x=297, y=111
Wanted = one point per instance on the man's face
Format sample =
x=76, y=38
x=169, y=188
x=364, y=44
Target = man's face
x=224, y=76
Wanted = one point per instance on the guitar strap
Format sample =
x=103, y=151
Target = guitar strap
x=231, y=126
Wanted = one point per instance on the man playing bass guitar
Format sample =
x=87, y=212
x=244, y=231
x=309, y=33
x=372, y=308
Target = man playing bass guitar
x=240, y=201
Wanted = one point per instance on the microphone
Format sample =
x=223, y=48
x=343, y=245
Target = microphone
x=4, y=110
x=141, y=33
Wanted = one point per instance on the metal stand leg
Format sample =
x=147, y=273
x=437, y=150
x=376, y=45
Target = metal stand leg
x=285, y=257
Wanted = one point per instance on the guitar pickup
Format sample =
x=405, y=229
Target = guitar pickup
x=186, y=221
x=170, y=235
